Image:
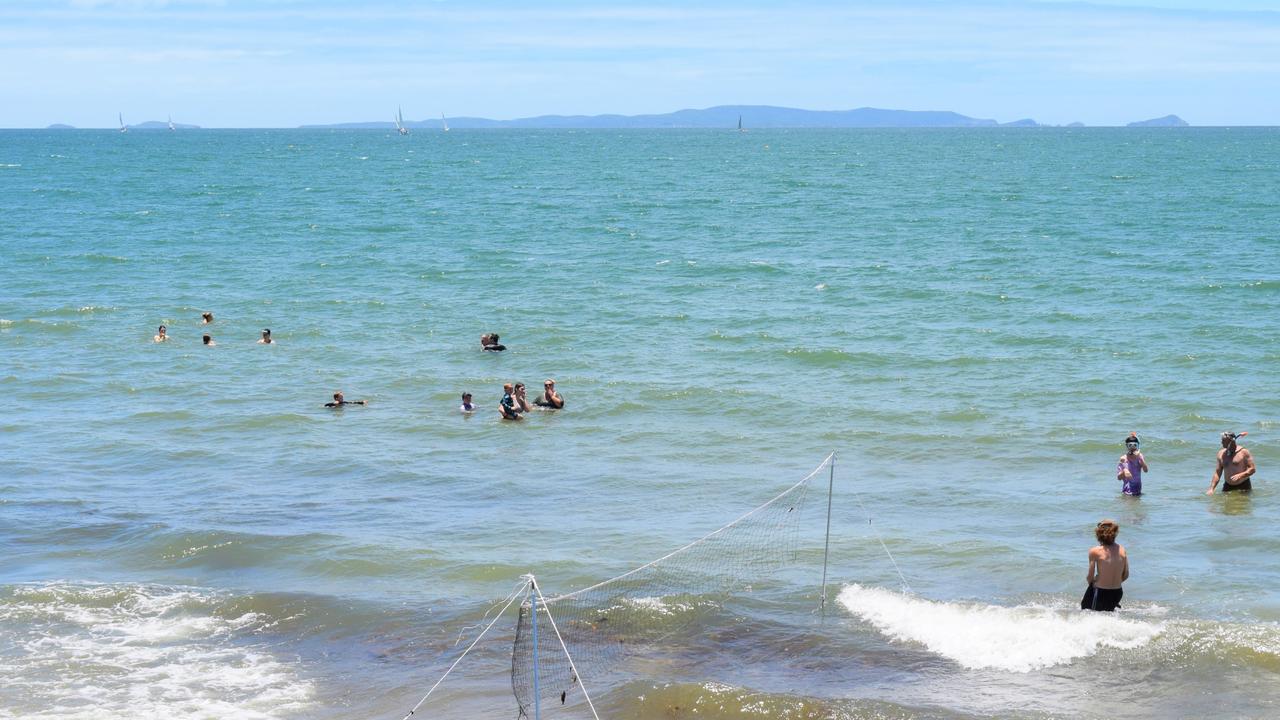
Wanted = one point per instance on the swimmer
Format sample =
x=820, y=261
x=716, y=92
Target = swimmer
x=207, y=318
x=549, y=398
x=507, y=407
x=522, y=399
x=162, y=334
x=208, y=340
x=467, y=406
x=266, y=337
x=489, y=342
x=1235, y=465
x=1108, y=568
x=1131, y=466
x=339, y=401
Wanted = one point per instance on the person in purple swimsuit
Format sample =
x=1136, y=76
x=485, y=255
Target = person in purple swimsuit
x=1131, y=466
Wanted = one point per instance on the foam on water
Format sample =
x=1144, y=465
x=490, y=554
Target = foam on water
x=135, y=651
x=977, y=636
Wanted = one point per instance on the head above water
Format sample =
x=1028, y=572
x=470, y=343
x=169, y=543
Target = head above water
x=1106, y=531
x=208, y=317
x=1229, y=438
x=266, y=332
x=548, y=383
x=337, y=396
x=507, y=388
x=1131, y=442
x=207, y=339
x=162, y=330
x=466, y=396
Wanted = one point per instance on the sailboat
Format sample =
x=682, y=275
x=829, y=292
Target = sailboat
x=171, y=127
x=123, y=127
x=740, y=128
x=444, y=122
x=400, y=128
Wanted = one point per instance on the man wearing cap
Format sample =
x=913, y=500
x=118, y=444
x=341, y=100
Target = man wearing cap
x=1131, y=466
x=1235, y=466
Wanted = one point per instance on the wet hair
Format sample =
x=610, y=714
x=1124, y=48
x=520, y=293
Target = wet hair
x=337, y=395
x=1106, y=531
x=162, y=328
x=466, y=395
x=207, y=316
x=1133, y=438
x=206, y=339
x=266, y=331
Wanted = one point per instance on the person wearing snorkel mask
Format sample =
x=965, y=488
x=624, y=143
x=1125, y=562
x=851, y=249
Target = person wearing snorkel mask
x=1131, y=466
x=1235, y=466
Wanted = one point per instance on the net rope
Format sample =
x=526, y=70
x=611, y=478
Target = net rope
x=660, y=602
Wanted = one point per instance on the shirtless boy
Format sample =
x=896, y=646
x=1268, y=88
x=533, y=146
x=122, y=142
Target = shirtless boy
x=1108, y=568
x=1235, y=465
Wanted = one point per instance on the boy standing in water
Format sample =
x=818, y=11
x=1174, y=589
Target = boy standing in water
x=1131, y=466
x=1108, y=568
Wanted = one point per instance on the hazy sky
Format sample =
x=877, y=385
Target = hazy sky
x=269, y=63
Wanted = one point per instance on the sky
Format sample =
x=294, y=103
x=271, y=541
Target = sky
x=284, y=63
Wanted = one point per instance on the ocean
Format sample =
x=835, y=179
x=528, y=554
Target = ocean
x=972, y=320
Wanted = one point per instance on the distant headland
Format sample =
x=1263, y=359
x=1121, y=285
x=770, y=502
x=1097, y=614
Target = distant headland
x=751, y=116
x=748, y=117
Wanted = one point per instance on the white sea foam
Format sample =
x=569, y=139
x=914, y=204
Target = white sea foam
x=1017, y=639
x=115, y=651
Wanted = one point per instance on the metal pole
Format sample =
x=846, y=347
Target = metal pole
x=537, y=690
x=826, y=549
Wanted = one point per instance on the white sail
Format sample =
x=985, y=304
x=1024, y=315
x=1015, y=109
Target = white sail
x=400, y=128
x=123, y=127
x=171, y=128
x=740, y=128
x=444, y=122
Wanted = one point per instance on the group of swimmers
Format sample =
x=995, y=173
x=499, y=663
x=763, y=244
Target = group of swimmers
x=515, y=399
x=162, y=333
x=1108, y=561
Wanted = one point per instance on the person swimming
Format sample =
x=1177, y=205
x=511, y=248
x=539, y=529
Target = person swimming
x=489, y=343
x=207, y=318
x=467, y=406
x=549, y=397
x=339, y=401
x=208, y=340
x=162, y=334
x=266, y=337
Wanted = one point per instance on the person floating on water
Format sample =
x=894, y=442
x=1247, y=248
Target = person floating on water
x=1131, y=466
x=266, y=337
x=467, y=406
x=1108, y=568
x=162, y=334
x=489, y=342
x=549, y=398
x=206, y=318
x=507, y=407
x=1235, y=466
x=339, y=401
x=208, y=340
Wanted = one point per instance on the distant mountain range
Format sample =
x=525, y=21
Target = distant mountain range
x=723, y=116
x=148, y=125
x=726, y=116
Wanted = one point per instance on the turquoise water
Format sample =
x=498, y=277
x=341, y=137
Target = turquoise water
x=972, y=320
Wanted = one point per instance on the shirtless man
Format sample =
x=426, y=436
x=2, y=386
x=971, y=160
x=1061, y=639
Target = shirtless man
x=1235, y=465
x=339, y=401
x=550, y=398
x=266, y=337
x=162, y=334
x=1108, y=568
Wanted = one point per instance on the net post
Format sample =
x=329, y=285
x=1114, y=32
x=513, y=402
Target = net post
x=533, y=617
x=826, y=547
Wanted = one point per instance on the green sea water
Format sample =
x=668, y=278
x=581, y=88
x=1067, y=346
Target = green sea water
x=972, y=320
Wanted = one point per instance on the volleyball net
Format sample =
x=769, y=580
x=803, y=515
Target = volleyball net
x=659, y=605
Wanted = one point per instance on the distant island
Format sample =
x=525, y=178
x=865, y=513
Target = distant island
x=148, y=125
x=726, y=116
x=1166, y=121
